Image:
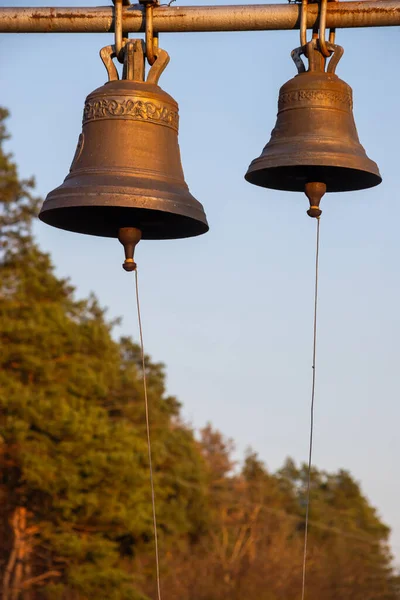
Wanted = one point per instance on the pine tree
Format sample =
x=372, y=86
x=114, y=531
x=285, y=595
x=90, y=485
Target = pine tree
x=75, y=503
x=75, y=485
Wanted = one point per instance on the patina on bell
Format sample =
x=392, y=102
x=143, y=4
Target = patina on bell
x=127, y=170
x=315, y=137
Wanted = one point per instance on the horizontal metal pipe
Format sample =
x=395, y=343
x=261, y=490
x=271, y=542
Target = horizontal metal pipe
x=255, y=17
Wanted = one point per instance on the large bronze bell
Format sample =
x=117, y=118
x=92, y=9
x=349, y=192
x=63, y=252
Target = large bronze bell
x=315, y=137
x=127, y=172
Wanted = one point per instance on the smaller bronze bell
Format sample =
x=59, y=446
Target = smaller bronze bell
x=127, y=171
x=315, y=138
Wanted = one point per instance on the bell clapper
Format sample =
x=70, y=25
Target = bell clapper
x=129, y=238
x=314, y=192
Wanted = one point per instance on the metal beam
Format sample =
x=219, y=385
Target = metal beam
x=256, y=17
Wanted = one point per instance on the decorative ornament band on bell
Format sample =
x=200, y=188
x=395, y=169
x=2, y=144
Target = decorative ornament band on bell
x=315, y=137
x=127, y=171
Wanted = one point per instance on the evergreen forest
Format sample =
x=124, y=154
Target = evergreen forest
x=75, y=500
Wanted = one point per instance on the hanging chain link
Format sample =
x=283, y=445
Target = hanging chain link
x=119, y=38
x=322, y=31
x=151, y=37
x=320, y=35
x=303, y=23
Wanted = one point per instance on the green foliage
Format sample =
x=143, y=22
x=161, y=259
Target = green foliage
x=72, y=421
x=74, y=485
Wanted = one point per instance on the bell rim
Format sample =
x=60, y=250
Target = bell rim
x=69, y=209
x=182, y=231
x=296, y=183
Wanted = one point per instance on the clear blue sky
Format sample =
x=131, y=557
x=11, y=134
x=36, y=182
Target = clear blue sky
x=230, y=313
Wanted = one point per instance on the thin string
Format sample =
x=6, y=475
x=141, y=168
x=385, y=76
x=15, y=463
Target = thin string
x=153, y=496
x=312, y=412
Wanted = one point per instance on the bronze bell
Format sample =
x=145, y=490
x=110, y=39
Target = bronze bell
x=315, y=137
x=127, y=172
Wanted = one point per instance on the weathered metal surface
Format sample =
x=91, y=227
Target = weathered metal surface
x=315, y=137
x=127, y=171
x=378, y=13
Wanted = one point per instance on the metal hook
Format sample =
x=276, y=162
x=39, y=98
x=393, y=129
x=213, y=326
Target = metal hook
x=118, y=28
x=151, y=38
x=303, y=23
x=322, y=30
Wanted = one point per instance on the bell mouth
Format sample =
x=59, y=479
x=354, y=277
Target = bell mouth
x=106, y=221
x=293, y=178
